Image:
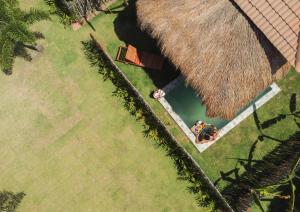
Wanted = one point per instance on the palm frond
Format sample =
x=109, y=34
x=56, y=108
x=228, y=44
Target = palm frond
x=35, y=15
x=14, y=30
x=6, y=55
x=273, y=187
x=257, y=201
x=293, y=189
x=19, y=32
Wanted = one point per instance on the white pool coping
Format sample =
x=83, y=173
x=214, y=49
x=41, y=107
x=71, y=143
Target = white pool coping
x=202, y=147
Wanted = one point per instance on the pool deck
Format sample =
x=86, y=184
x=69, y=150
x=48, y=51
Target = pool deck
x=202, y=147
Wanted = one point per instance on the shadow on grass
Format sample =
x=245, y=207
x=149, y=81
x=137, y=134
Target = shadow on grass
x=128, y=31
x=89, y=23
x=273, y=168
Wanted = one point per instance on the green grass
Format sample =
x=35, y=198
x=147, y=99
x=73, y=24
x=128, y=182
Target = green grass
x=69, y=144
x=74, y=145
x=238, y=142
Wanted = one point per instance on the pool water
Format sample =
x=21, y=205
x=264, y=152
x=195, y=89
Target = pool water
x=189, y=107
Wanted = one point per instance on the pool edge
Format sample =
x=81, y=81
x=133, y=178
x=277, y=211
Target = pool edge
x=275, y=89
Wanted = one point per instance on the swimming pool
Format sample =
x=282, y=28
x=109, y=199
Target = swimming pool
x=189, y=107
x=185, y=107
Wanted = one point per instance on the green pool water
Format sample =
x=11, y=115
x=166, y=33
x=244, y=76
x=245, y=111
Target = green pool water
x=189, y=107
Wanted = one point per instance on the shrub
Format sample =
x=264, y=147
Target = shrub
x=10, y=201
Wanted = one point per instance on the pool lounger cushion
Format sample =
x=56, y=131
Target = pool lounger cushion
x=133, y=56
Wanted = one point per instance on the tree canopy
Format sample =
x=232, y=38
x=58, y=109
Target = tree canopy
x=15, y=34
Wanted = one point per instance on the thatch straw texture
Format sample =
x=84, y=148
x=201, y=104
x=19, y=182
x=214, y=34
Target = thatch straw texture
x=220, y=53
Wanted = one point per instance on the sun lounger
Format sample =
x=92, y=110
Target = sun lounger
x=133, y=56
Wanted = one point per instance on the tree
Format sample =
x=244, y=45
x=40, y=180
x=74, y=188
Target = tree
x=15, y=35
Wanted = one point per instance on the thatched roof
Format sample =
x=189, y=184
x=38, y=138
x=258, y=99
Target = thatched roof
x=226, y=59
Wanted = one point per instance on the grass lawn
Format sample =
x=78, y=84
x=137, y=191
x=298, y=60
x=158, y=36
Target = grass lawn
x=115, y=29
x=69, y=144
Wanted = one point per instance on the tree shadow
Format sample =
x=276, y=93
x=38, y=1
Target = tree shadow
x=271, y=169
x=89, y=23
x=26, y=51
x=128, y=31
x=227, y=176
